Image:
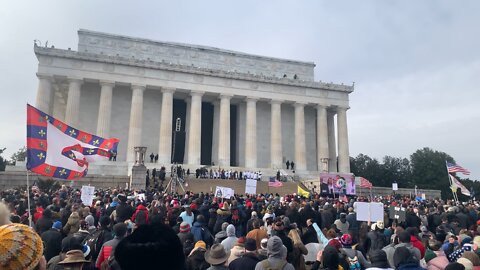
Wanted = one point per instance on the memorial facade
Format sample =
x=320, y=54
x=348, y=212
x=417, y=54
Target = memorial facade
x=196, y=105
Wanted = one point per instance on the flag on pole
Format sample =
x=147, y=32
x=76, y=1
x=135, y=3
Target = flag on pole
x=456, y=184
x=364, y=183
x=302, y=192
x=273, y=182
x=454, y=168
x=55, y=149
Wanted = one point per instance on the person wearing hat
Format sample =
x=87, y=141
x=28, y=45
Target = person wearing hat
x=223, y=215
x=279, y=230
x=74, y=260
x=434, y=256
x=200, y=231
x=262, y=251
x=237, y=250
x=52, y=240
x=184, y=234
x=68, y=243
x=187, y=215
x=403, y=242
x=108, y=248
x=375, y=238
x=123, y=210
x=150, y=245
x=216, y=256
x=251, y=221
x=403, y=258
x=350, y=253
x=196, y=258
x=231, y=239
x=249, y=259
x=473, y=257
x=342, y=223
x=20, y=248
x=277, y=254
x=379, y=261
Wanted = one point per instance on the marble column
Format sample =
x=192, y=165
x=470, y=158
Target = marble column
x=224, y=131
x=332, y=148
x=165, y=145
x=322, y=139
x=216, y=120
x=188, y=102
x=73, y=102
x=251, y=133
x=300, y=147
x=136, y=119
x=44, y=93
x=276, y=154
x=195, y=128
x=343, y=153
x=105, y=109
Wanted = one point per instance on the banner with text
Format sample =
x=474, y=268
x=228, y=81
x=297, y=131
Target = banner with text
x=87, y=195
x=224, y=192
x=251, y=186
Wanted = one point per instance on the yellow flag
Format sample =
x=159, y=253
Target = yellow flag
x=302, y=192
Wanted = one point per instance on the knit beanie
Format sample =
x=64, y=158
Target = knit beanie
x=346, y=240
x=184, y=227
x=429, y=255
x=466, y=263
x=250, y=244
x=20, y=247
x=57, y=225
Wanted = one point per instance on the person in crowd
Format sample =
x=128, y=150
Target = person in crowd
x=379, y=261
x=223, y=215
x=434, y=256
x=342, y=223
x=375, y=238
x=237, y=250
x=257, y=233
x=299, y=250
x=277, y=256
x=21, y=248
x=140, y=216
x=123, y=210
x=185, y=234
x=74, y=260
x=403, y=242
x=44, y=223
x=231, y=239
x=354, y=257
x=150, y=245
x=248, y=260
x=196, y=258
x=73, y=224
x=108, y=248
x=52, y=240
x=201, y=232
x=279, y=230
x=254, y=217
x=404, y=259
x=187, y=215
x=217, y=257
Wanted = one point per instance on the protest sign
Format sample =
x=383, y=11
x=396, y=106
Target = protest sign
x=87, y=194
x=369, y=211
x=224, y=192
x=397, y=212
x=394, y=186
x=251, y=186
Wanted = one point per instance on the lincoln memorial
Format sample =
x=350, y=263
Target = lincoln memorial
x=196, y=105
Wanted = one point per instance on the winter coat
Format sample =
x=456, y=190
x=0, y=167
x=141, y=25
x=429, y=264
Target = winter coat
x=107, y=249
x=43, y=224
x=73, y=224
x=196, y=260
x=310, y=236
x=38, y=214
x=201, y=232
x=247, y=262
x=298, y=260
x=352, y=221
x=438, y=263
x=235, y=253
x=418, y=244
x=258, y=235
x=52, y=241
x=351, y=253
x=184, y=236
x=390, y=250
x=375, y=240
x=220, y=236
x=231, y=239
x=222, y=216
x=140, y=208
x=274, y=262
x=124, y=212
x=410, y=266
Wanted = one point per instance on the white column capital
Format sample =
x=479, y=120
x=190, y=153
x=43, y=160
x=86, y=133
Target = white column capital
x=107, y=83
x=321, y=106
x=343, y=109
x=75, y=80
x=168, y=90
x=276, y=101
x=226, y=96
x=299, y=104
x=139, y=87
x=45, y=76
x=251, y=99
x=196, y=93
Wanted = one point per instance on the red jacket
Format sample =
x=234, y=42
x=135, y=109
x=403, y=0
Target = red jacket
x=140, y=208
x=418, y=244
x=38, y=214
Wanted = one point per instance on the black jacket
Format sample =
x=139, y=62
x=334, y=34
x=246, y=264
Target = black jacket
x=247, y=262
x=43, y=224
x=52, y=240
x=124, y=212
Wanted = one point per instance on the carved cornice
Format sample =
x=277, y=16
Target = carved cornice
x=118, y=60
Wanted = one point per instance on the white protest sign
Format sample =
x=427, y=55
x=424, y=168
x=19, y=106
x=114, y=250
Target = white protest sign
x=141, y=197
x=369, y=211
x=251, y=186
x=88, y=192
x=224, y=192
x=395, y=186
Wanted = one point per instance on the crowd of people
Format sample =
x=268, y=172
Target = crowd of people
x=212, y=173
x=120, y=230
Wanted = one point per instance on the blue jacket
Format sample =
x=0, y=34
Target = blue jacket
x=201, y=232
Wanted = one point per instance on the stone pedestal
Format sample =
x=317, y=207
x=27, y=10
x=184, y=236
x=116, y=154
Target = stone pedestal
x=138, y=177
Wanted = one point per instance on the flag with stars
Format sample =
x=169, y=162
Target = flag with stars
x=57, y=150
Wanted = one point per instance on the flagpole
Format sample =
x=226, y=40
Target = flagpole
x=451, y=184
x=28, y=200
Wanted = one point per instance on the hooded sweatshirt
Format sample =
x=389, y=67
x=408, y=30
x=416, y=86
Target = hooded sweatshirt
x=277, y=254
x=231, y=239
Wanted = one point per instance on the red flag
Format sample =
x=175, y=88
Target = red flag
x=364, y=183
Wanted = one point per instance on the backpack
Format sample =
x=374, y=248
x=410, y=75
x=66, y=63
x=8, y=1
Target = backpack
x=95, y=242
x=352, y=262
x=266, y=265
x=235, y=216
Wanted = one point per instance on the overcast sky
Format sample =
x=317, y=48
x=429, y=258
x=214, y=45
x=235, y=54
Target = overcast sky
x=415, y=64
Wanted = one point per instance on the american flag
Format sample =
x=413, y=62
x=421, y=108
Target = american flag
x=454, y=168
x=456, y=183
x=364, y=183
x=272, y=182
